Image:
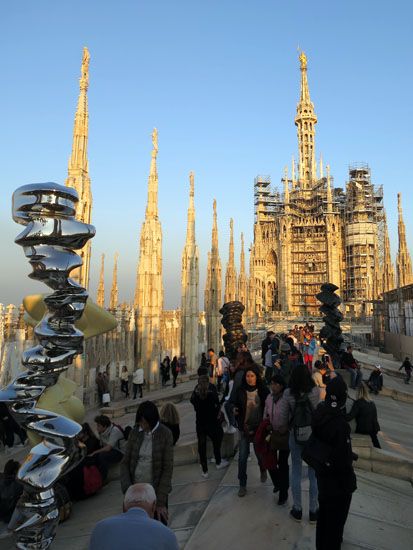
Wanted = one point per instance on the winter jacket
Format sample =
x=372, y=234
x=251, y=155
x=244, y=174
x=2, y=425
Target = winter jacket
x=206, y=410
x=162, y=461
x=287, y=405
x=272, y=410
x=330, y=427
x=365, y=413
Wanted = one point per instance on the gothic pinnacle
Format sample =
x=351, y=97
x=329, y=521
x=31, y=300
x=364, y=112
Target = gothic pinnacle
x=114, y=290
x=403, y=260
x=152, y=205
x=100, y=300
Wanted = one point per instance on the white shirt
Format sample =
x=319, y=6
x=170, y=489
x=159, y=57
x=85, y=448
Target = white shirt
x=138, y=376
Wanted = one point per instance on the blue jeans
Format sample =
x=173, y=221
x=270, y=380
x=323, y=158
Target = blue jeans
x=296, y=475
x=243, y=453
x=356, y=377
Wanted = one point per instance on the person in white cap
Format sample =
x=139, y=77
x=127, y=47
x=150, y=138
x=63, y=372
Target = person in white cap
x=375, y=381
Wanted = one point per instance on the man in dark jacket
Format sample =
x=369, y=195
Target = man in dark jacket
x=375, y=382
x=265, y=344
x=336, y=480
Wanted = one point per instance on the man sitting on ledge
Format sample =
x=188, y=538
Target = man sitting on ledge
x=134, y=529
x=349, y=363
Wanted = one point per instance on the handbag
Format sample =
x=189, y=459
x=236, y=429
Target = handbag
x=106, y=398
x=316, y=454
x=279, y=441
x=92, y=480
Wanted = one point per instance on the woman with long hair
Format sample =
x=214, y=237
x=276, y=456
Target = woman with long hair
x=248, y=402
x=365, y=413
x=280, y=475
x=205, y=401
x=300, y=399
x=170, y=418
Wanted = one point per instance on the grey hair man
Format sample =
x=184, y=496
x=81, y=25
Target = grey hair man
x=135, y=529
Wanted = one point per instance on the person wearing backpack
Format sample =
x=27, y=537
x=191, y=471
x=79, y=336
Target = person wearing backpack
x=335, y=477
x=297, y=405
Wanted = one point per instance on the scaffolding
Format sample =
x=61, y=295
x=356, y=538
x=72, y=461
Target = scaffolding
x=363, y=238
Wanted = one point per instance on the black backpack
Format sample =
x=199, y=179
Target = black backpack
x=301, y=421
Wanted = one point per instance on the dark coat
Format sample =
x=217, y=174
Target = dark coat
x=330, y=426
x=365, y=413
x=238, y=399
x=206, y=410
x=162, y=461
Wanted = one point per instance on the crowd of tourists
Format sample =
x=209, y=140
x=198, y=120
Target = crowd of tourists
x=290, y=410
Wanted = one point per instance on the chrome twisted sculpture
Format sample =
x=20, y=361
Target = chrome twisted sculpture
x=49, y=239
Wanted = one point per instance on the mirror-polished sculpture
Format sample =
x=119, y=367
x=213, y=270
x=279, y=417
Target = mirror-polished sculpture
x=51, y=234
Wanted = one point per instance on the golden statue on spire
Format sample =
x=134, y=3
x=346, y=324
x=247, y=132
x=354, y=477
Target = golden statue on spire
x=303, y=60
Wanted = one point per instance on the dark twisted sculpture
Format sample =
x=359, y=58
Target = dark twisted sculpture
x=232, y=322
x=49, y=239
x=331, y=333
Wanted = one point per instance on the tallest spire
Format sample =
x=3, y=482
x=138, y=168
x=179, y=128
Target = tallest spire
x=305, y=121
x=78, y=169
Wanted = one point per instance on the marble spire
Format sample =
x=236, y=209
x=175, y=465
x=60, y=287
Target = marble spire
x=114, y=292
x=78, y=169
x=148, y=300
x=231, y=272
x=242, y=279
x=388, y=269
x=403, y=260
x=190, y=287
x=100, y=299
x=213, y=290
x=305, y=121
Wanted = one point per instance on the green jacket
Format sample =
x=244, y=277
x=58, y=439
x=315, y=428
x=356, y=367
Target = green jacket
x=162, y=461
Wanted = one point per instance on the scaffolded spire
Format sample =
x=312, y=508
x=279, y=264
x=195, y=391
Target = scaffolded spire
x=100, y=300
x=190, y=286
x=329, y=194
x=231, y=272
x=403, y=260
x=78, y=170
x=114, y=292
x=388, y=271
x=305, y=121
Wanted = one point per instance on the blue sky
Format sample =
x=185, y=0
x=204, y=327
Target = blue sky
x=220, y=81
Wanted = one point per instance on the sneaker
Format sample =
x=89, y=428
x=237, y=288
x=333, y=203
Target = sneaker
x=263, y=476
x=276, y=489
x=212, y=460
x=205, y=475
x=223, y=464
x=296, y=514
x=242, y=491
x=313, y=516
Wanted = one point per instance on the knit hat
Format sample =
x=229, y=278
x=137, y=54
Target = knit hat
x=336, y=393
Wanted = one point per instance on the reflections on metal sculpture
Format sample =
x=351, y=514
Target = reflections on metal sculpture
x=232, y=322
x=49, y=239
x=331, y=333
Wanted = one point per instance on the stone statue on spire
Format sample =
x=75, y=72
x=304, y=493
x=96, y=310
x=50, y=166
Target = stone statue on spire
x=155, y=142
x=303, y=60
